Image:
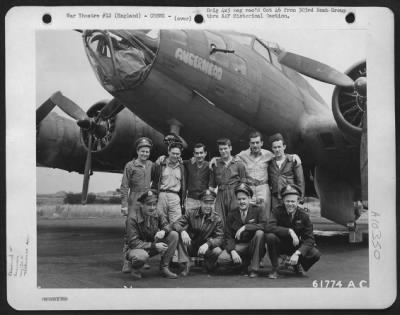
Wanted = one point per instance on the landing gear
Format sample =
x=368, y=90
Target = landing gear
x=355, y=235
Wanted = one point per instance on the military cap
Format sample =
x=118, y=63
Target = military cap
x=149, y=195
x=207, y=195
x=245, y=189
x=291, y=189
x=143, y=142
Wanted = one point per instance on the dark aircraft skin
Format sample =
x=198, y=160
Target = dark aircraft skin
x=203, y=85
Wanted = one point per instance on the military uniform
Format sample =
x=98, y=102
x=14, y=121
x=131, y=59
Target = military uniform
x=169, y=181
x=257, y=176
x=290, y=172
x=251, y=245
x=135, y=181
x=280, y=242
x=226, y=178
x=197, y=178
x=141, y=241
x=202, y=228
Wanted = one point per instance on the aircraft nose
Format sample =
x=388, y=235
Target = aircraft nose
x=121, y=59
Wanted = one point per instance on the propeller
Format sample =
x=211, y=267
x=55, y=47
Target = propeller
x=349, y=101
x=68, y=106
x=88, y=168
x=315, y=69
x=95, y=126
x=43, y=110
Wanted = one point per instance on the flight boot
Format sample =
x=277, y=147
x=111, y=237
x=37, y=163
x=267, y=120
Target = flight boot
x=274, y=273
x=168, y=273
x=127, y=264
x=136, y=274
x=299, y=271
x=186, y=269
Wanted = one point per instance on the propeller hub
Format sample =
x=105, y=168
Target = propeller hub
x=84, y=123
x=360, y=86
x=101, y=130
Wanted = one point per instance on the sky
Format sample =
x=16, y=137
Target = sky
x=62, y=65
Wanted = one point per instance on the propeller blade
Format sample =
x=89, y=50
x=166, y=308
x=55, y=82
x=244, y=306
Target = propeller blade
x=112, y=108
x=364, y=159
x=315, y=69
x=44, y=110
x=68, y=106
x=88, y=166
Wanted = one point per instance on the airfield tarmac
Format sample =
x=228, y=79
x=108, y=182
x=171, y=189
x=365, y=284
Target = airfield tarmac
x=87, y=253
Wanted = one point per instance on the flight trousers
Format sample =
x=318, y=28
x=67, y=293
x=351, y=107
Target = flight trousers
x=250, y=252
x=284, y=245
x=139, y=256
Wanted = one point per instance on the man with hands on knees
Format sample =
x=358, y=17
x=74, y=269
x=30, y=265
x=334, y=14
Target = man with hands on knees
x=244, y=233
x=290, y=232
x=150, y=234
x=201, y=233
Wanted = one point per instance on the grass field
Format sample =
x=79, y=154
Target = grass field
x=51, y=206
x=78, y=211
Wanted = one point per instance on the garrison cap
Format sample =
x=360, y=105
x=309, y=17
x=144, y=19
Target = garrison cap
x=208, y=195
x=245, y=189
x=149, y=195
x=143, y=142
x=290, y=190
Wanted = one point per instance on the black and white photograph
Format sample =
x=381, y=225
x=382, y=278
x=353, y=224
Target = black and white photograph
x=206, y=156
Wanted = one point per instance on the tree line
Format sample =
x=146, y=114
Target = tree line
x=76, y=198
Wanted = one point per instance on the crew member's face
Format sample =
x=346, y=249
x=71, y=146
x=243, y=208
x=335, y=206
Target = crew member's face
x=291, y=202
x=174, y=154
x=278, y=148
x=255, y=144
x=149, y=207
x=199, y=154
x=224, y=151
x=143, y=153
x=243, y=200
x=207, y=206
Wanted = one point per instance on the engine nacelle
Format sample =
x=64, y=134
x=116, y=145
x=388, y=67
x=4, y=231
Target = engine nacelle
x=117, y=145
x=58, y=144
x=350, y=103
x=62, y=144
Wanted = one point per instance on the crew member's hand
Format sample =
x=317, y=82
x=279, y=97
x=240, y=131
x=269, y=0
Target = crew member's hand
x=193, y=160
x=235, y=257
x=297, y=159
x=160, y=159
x=238, y=232
x=202, y=249
x=124, y=211
x=161, y=247
x=295, y=239
x=294, y=259
x=159, y=235
x=213, y=163
x=185, y=238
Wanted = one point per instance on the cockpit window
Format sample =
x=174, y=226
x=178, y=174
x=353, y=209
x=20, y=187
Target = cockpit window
x=121, y=59
x=274, y=52
x=242, y=38
x=262, y=50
